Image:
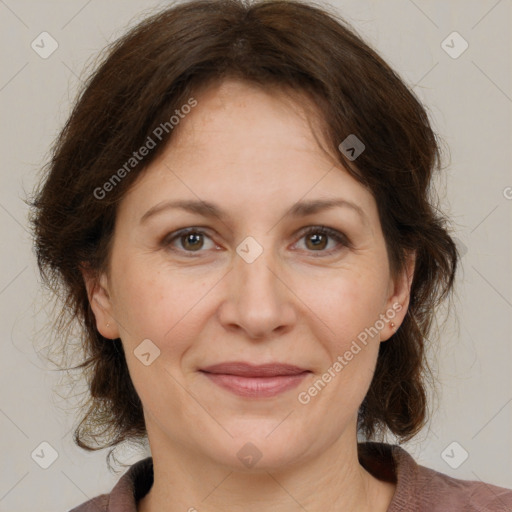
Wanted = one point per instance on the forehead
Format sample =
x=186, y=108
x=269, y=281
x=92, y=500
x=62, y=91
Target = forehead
x=247, y=148
x=236, y=116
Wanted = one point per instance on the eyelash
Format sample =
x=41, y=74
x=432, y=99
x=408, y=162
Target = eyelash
x=324, y=230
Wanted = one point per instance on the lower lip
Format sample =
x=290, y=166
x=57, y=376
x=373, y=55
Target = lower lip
x=256, y=387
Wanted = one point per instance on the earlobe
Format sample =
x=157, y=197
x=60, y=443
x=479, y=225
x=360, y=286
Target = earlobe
x=100, y=301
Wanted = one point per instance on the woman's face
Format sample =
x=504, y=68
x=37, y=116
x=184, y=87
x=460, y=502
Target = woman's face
x=249, y=285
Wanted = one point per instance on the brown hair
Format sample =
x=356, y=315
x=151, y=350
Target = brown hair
x=153, y=70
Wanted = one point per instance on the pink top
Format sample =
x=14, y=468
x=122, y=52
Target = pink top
x=419, y=489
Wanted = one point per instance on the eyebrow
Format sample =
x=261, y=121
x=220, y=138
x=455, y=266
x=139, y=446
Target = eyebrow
x=207, y=209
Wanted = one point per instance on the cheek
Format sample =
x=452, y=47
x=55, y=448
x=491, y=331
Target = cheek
x=348, y=310
x=158, y=304
x=345, y=304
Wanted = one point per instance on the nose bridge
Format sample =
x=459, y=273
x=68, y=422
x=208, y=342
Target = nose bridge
x=252, y=269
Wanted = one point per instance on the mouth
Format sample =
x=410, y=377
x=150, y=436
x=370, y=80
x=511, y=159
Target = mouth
x=251, y=381
x=243, y=369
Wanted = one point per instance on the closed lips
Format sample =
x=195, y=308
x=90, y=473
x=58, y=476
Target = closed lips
x=243, y=369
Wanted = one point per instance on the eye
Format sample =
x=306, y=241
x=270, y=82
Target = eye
x=317, y=239
x=192, y=240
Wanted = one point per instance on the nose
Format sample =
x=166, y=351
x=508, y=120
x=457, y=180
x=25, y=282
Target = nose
x=258, y=301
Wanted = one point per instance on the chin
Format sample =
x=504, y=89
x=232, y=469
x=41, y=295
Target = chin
x=254, y=449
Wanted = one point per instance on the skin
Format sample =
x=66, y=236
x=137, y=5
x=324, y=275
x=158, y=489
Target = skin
x=254, y=154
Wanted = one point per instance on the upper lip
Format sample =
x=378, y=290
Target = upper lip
x=248, y=370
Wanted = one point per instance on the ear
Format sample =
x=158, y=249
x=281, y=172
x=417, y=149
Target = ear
x=101, y=305
x=398, y=299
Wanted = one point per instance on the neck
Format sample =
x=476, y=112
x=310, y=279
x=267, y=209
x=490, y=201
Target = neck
x=333, y=480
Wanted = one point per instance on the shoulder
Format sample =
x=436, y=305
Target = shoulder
x=421, y=489
x=131, y=487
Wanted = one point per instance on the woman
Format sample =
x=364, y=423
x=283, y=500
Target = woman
x=238, y=213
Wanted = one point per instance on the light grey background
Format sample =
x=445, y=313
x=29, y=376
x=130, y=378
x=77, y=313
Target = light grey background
x=470, y=102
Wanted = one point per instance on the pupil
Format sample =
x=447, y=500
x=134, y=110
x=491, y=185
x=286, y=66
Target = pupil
x=318, y=238
x=191, y=238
